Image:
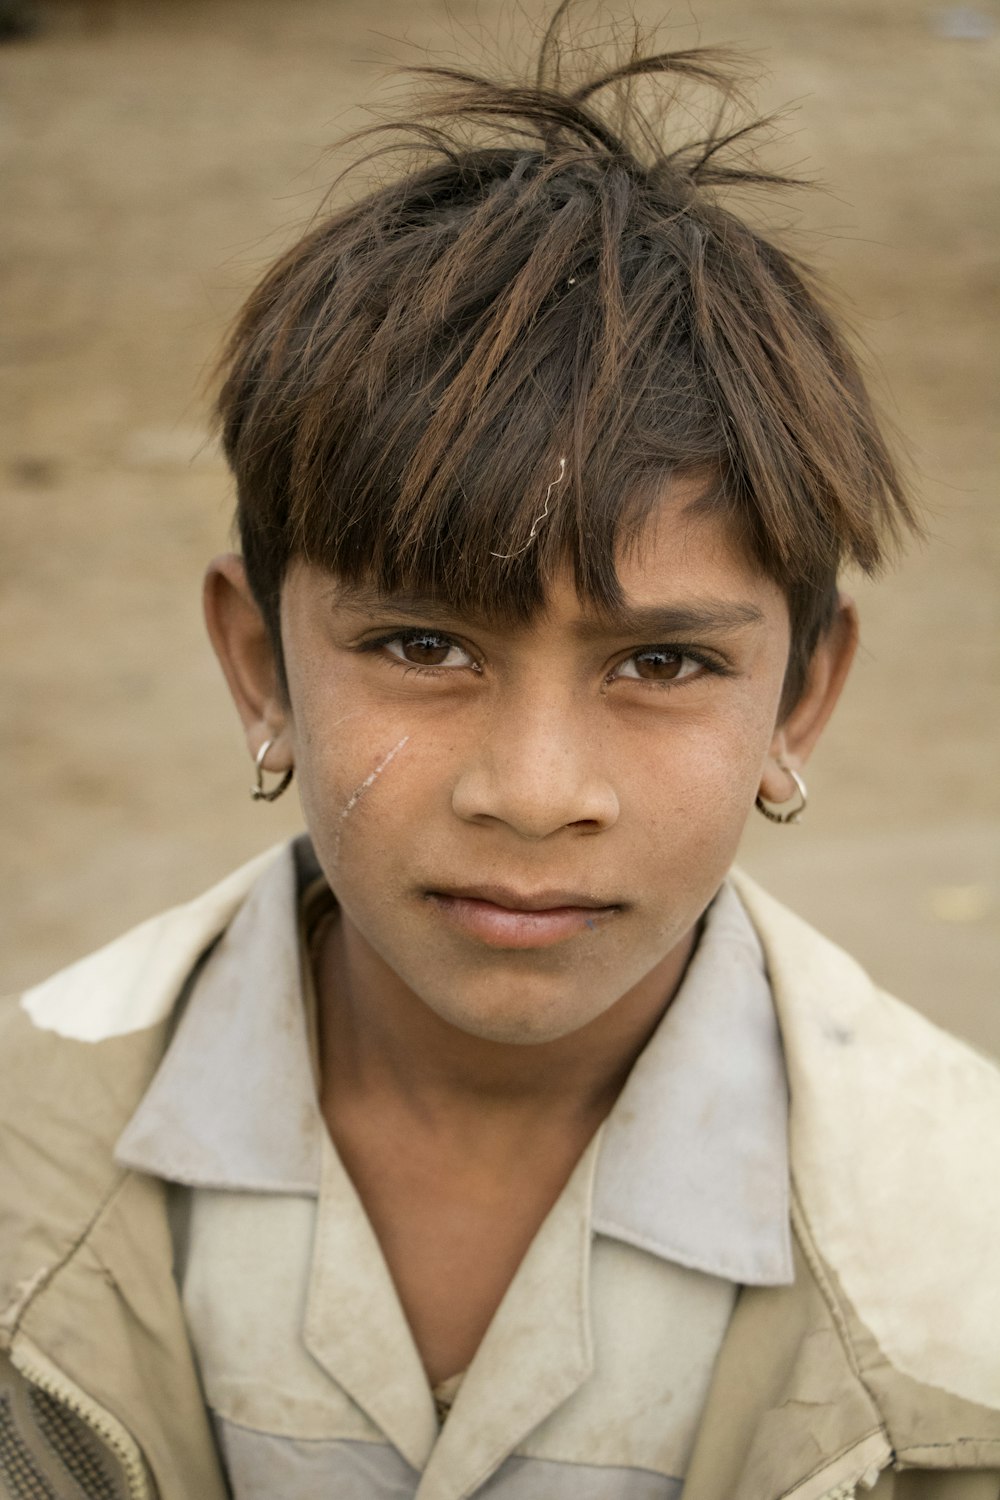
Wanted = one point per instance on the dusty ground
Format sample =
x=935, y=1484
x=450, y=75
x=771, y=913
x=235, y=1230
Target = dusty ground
x=156, y=155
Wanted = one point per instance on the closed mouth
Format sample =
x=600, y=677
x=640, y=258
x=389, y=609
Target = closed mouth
x=503, y=918
x=553, y=899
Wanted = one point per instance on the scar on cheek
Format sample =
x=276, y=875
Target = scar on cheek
x=359, y=791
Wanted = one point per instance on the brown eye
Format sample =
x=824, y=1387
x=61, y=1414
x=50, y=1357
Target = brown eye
x=664, y=664
x=658, y=666
x=426, y=648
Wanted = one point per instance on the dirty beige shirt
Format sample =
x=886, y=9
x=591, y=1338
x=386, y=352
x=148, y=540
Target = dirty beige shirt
x=590, y=1381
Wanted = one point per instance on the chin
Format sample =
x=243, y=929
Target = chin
x=517, y=1026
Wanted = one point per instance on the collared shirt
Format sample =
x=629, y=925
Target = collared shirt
x=590, y=1379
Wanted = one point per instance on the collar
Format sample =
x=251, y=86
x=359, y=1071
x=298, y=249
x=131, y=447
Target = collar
x=693, y=1162
x=233, y=1103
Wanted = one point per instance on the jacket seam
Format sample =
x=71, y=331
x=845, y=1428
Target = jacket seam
x=804, y=1233
x=610, y=1228
x=827, y=1463
x=970, y=1442
x=16, y=1312
x=801, y=1224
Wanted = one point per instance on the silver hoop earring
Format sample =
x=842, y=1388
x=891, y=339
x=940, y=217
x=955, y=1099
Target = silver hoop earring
x=781, y=812
x=258, y=792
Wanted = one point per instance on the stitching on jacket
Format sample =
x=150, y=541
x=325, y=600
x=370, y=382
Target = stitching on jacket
x=12, y=1315
x=245, y=1184
x=805, y=1239
x=604, y=1224
x=23, y=1293
x=988, y=1442
x=804, y=1234
x=15, y=1312
x=827, y=1463
x=807, y=1242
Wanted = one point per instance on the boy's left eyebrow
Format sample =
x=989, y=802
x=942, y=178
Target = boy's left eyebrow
x=649, y=622
x=363, y=600
x=660, y=621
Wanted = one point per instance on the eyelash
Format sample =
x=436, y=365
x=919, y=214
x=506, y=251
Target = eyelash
x=412, y=668
x=710, y=664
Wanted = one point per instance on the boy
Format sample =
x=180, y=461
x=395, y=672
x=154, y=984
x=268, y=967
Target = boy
x=495, y=1140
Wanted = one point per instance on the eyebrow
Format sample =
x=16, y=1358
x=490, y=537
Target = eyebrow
x=648, y=622
x=659, y=621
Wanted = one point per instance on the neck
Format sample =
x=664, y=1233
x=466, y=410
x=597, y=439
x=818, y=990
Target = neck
x=380, y=1041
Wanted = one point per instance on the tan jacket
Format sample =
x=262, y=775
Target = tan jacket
x=879, y=1367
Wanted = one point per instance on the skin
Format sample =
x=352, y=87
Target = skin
x=455, y=773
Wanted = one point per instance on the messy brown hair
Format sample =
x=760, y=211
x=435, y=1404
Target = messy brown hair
x=550, y=277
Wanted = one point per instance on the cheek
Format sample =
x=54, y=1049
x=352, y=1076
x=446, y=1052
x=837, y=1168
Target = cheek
x=327, y=766
x=694, y=790
x=362, y=788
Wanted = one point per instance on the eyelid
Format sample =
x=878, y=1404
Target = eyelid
x=407, y=633
x=415, y=632
x=704, y=658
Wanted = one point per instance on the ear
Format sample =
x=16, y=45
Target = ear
x=796, y=735
x=243, y=645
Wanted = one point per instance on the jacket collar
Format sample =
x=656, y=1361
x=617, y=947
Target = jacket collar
x=233, y=1103
x=771, y=1428
x=894, y=1131
x=693, y=1163
x=694, y=1160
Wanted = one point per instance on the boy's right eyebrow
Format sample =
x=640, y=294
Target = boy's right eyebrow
x=648, y=622
x=363, y=600
x=661, y=621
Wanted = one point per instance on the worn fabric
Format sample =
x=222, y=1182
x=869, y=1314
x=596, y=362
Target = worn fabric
x=600, y=1355
x=874, y=1367
x=697, y=1172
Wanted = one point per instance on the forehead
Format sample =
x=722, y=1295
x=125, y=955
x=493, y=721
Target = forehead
x=680, y=568
x=684, y=543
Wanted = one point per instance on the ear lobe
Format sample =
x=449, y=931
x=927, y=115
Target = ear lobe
x=243, y=646
x=797, y=734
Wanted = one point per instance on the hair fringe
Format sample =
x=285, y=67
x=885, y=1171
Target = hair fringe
x=552, y=274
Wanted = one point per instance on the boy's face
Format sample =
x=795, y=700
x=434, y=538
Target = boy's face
x=523, y=823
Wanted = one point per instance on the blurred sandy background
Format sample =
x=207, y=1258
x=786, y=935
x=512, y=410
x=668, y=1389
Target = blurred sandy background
x=157, y=155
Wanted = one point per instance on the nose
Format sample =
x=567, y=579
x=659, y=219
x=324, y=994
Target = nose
x=537, y=771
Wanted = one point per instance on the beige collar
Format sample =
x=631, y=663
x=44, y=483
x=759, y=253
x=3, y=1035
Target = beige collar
x=693, y=1166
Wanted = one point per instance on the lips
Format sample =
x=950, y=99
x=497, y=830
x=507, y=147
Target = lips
x=502, y=917
x=513, y=900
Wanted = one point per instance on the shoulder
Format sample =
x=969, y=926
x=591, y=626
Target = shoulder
x=77, y=1053
x=894, y=1143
